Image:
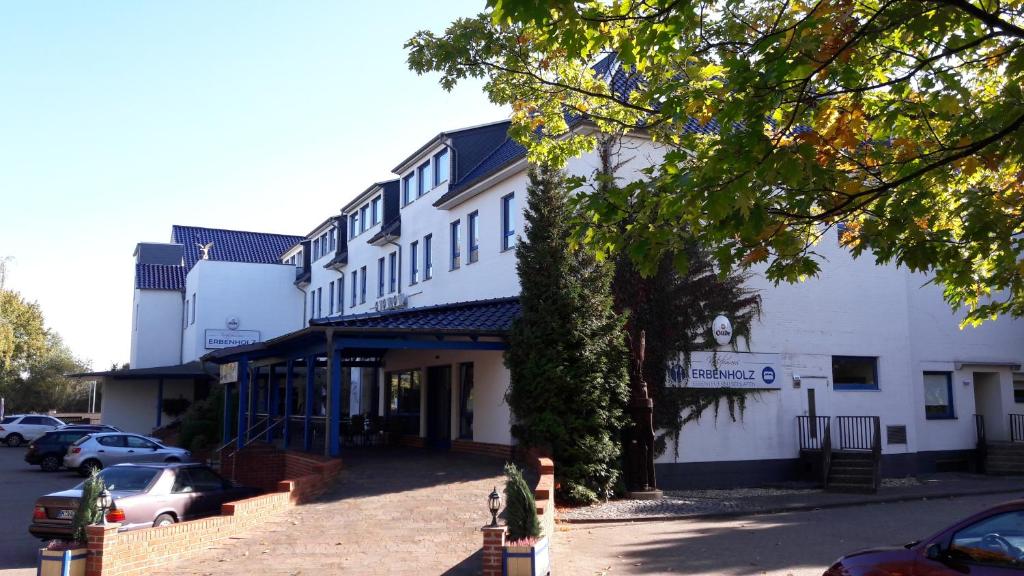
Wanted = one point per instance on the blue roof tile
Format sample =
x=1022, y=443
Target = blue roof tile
x=232, y=245
x=481, y=316
x=159, y=277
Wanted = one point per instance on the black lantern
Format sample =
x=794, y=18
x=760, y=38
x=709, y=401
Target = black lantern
x=494, y=505
x=105, y=502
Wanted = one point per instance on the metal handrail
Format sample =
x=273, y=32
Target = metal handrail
x=234, y=461
x=1016, y=427
x=826, y=453
x=876, y=452
x=246, y=433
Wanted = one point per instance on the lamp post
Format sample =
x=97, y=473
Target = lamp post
x=494, y=505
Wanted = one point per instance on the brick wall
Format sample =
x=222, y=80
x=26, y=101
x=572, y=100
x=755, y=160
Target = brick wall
x=134, y=553
x=482, y=449
x=544, y=494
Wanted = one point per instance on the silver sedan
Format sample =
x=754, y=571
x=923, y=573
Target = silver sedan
x=107, y=449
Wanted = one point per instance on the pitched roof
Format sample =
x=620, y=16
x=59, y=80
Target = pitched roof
x=468, y=137
x=232, y=245
x=159, y=277
x=492, y=317
x=195, y=369
x=507, y=153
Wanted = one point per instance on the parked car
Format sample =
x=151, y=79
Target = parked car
x=48, y=450
x=143, y=495
x=17, y=429
x=986, y=544
x=91, y=427
x=108, y=448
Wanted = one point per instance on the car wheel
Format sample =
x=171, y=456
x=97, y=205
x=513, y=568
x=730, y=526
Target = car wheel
x=88, y=466
x=172, y=460
x=50, y=463
x=14, y=440
x=163, y=520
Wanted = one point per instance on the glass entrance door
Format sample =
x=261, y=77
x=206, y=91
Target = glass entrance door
x=439, y=407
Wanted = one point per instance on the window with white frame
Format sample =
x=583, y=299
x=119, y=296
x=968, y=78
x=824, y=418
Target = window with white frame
x=473, y=222
x=353, y=225
x=375, y=210
x=320, y=302
x=330, y=298
x=508, y=221
x=193, y=320
x=362, y=285
x=408, y=188
x=355, y=282
x=456, y=244
x=423, y=178
x=414, y=262
x=1018, y=388
x=380, y=277
x=392, y=272
x=364, y=220
x=441, y=167
x=316, y=249
x=428, y=258
x=341, y=294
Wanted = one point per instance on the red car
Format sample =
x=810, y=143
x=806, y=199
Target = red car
x=989, y=543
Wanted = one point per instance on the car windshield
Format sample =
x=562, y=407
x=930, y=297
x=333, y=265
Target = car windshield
x=126, y=478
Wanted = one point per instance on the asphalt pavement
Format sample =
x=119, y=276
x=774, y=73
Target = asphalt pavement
x=20, y=485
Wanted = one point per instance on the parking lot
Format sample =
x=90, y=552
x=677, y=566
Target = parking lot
x=20, y=485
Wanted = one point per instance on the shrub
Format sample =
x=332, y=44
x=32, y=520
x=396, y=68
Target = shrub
x=89, y=511
x=201, y=424
x=520, y=507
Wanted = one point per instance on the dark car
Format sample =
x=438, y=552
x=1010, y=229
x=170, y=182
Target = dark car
x=91, y=428
x=48, y=450
x=989, y=543
x=143, y=495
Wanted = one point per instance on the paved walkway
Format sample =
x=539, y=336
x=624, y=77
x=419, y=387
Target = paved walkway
x=721, y=503
x=392, y=511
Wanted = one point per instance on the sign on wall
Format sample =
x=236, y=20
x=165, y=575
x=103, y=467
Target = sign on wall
x=727, y=370
x=227, y=338
x=229, y=373
x=394, y=302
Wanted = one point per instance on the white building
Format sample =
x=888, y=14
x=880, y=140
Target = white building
x=397, y=308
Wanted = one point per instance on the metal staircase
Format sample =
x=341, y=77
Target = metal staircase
x=853, y=466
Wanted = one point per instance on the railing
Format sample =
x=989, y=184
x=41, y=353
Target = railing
x=826, y=451
x=1016, y=427
x=981, y=445
x=811, y=431
x=859, y=432
x=876, y=452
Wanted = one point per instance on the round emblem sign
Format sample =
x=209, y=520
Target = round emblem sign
x=768, y=375
x=722, y=329
x=232, y=323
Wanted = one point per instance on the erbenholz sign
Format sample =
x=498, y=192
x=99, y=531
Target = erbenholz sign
x=727, y=370
x=228, y=338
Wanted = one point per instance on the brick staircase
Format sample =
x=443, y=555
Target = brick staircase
x=1004, y=458
x=852, y=471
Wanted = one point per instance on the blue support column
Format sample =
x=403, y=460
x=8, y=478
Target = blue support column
x=271, y=401
x=225, y=436
x=307, y=429
x=159, y=401
x=289, y=383
x=334, y=409
x=243, y=401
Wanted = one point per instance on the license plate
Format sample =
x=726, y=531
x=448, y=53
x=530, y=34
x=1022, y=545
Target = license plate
x=65, y=514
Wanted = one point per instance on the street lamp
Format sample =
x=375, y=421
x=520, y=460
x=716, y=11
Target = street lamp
x=494, y=505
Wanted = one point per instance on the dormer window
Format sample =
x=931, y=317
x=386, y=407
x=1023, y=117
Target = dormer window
x=375, y=211
x=441, y=166
x=408, y=189
x=423, y=173
x=364, y=221
x=353, y=225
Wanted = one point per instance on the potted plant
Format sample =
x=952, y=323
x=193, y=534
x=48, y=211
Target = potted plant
x=68, y=557
x=526, y=551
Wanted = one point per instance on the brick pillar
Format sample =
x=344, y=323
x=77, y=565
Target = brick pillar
x=494, y=543
x=101, y=540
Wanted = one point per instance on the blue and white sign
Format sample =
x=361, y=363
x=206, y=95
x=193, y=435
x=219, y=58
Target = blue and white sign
x=227, y=338
x=726, y=370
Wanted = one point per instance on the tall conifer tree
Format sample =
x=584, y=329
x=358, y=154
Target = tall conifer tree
x=567, y=357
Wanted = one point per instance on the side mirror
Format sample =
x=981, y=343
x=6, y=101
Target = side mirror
x=934, y=552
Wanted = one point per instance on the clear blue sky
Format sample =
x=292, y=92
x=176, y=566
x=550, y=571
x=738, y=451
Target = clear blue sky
x=119, y=119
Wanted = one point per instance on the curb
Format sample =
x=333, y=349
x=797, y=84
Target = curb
x=790, y=508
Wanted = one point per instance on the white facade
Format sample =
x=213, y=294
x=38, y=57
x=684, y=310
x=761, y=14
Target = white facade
x=156, y=328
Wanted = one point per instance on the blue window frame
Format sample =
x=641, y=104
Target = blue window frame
x=330, y=298
x=508, y=221
x=341, y=294
x=362, y=285
x=854, y=373
x=414, y=264
x=355, y=281
x=456, y=244
x=392, y=272
x=375, y=210
x=441, y=167
x=938, y=396
x=428, y=258
x=353, y=225
x=409, y=188
x=423, y=173
x=364, y=218
x=474, y=236
x=380, y=277
x=320, y=302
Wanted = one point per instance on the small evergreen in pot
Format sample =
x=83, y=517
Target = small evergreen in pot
x=526, y=552
x=68, y=557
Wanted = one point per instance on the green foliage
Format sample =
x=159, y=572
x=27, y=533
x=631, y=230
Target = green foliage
x=88, y=512
x=910, y=119
x=566, y=356
x=175, y=407
x=520, y=507
x=201, y=424
x=34, y=360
